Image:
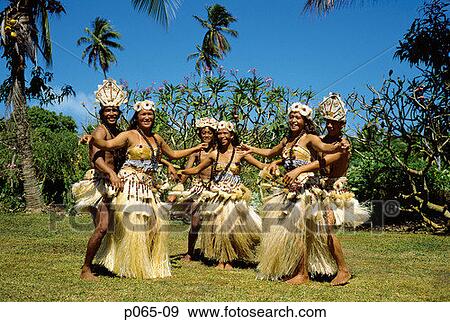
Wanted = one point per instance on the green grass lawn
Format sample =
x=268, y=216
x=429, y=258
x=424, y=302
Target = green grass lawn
x=41, y=256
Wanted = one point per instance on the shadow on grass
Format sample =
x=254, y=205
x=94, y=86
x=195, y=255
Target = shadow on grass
x=100, y=270
x=198, y=257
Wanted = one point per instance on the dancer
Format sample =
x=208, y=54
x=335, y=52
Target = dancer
x=230, y=228
x=207, y=128
x=289, y=213
x=93, y=194
x=138, y=245
x=338, y=203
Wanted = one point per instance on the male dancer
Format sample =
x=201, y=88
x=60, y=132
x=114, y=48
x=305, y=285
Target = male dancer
x=97, y=188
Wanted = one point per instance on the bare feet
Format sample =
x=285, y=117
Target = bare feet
x=220, y=266
x=86, y=274
x=341, y=278
x=228, y=267
x=186, y=258
x=298, y=279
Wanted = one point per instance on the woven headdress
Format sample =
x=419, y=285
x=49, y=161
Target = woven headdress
x=110, y=94
x=206, y=122
x=333, y=108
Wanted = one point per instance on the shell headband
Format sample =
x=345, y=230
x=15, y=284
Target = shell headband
x=333, y=108
x=144, y=105
x=303, y=109
x=206, y=122
x=225, y=125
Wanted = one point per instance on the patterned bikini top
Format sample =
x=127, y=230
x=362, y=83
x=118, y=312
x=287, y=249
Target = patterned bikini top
x=295, y=156
x=143, y=156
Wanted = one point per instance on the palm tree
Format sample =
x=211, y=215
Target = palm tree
x=215, y=45
x=162, y=10
x=24, y=23
x=100, y=40
x=204, y=61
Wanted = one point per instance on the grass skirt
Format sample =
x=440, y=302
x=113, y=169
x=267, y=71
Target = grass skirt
x=138, y=245
x=292, y=228
x=230, y=227
x=297, y=224
x=88, y=192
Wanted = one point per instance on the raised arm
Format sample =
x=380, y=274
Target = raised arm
x=268, y=153
x=202, y=166
x=118, y=142
x=178, y=154
x=319, y=146
x=255, y=162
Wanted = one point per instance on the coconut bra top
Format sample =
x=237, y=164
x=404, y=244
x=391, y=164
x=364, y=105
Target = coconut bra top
x=143, y=156
x=295, y=156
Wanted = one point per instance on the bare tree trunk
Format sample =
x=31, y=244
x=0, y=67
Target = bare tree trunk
x=33, y=197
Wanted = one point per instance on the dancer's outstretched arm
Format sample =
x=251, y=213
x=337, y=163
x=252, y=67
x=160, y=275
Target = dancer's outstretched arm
x=202, y=166
x=319, y=146
x=118, y=142
x=255, y=162
x=268, y=153
x=178, y=154
x=171, y=169
x=313, y=166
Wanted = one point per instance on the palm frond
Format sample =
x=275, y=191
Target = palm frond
x=232, y=32
x=46, y=43
x=203, y=22
x=162, y=10
x=322, y=7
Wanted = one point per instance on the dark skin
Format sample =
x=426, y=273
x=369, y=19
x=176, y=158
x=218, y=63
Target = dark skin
x=225, y=151
x=103, y=162
x=336, y=165
x=206, y=136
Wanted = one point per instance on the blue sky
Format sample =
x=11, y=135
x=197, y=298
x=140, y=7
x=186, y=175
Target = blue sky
x=343, y=52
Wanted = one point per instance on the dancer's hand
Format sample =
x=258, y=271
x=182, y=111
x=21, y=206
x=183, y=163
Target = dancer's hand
x=246, y=147
x=240, y=153
x=290, y=177
x=116, y=182
x=171, y=198
x=273, y=169
x=173, y=173
x=85, y=139
x=345, y=146
x=202, y=146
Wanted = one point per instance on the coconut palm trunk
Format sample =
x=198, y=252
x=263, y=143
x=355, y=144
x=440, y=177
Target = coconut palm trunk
x=17, y=98
x=32, y=193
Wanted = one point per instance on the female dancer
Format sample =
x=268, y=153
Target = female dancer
x=290, y=212
x=230, y=228
x=207, y=128
x=138, y=245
